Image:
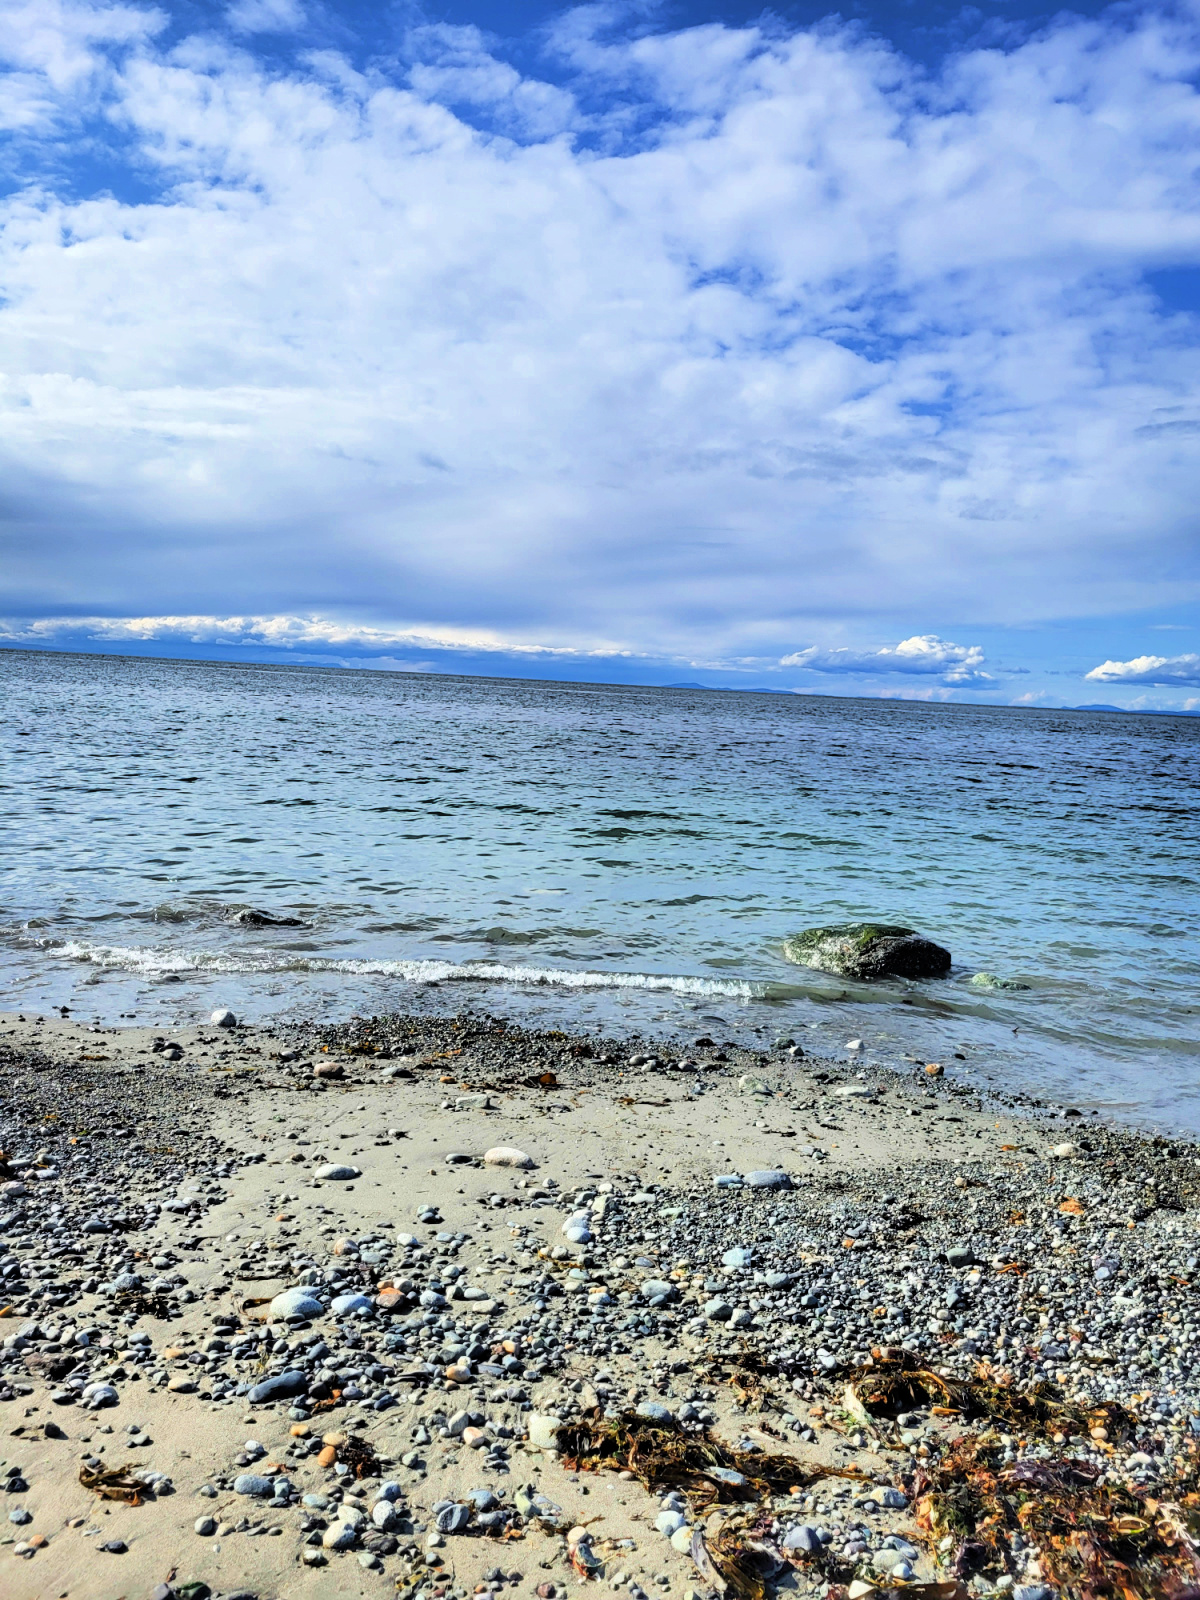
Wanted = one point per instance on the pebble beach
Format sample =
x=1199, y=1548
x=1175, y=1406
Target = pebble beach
x=431, y=1305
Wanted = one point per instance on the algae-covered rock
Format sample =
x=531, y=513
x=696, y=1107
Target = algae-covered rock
x=868, y=950
x=989, y=980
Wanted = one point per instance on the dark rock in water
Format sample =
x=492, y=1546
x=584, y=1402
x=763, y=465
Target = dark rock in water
x=868, y=950
x=266, y=919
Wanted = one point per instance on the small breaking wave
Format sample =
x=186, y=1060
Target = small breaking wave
x=158, y=963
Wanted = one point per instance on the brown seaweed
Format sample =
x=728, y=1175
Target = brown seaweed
x=114, y=1483
x=895, y=1381
x=663, y=1455
x=1098, y=1540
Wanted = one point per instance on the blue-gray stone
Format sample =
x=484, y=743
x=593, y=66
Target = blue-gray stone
x=453, y=1519
x=280, y=1387
x=658, y=1289
x=804, y=1538
x=348, y=1303
x=654, y=1411
x=253, y=1483
x=768, y=1179
x=298, y=1303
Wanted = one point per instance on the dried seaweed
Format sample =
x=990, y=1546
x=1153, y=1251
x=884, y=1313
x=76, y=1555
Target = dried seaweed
x=748, y=1373
x=114, y=1483
x=1098, y=1540
x=155, y=1304
x=663, y=1456
x=895, y=1381
x=359, y=1455
x=731, y=1562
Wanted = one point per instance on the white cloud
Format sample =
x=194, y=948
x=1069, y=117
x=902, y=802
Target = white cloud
x=772, y=329
x=265, y=16
x=923, y=654
x=64, y=43
x=1161, y=670
x=278, y=632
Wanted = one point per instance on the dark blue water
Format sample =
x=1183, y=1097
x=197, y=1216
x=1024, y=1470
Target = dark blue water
x=623, y=855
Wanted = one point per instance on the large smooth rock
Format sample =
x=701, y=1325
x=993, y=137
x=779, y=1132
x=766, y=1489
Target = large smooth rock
x=770, y=1178
x=543, y=1430
x=345, y=1304
x=336, y=1172
x=658, y=1289
x=654, y=1411
x=868, y=950
x=282, y=1386
x=454, y=1518
x=297, y=1305
x=252, y=1483
x=503, y=1155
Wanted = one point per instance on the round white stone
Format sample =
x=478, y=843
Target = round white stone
x=505, y=1155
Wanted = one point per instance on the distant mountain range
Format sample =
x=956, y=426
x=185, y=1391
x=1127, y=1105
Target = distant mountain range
x=1137, y=711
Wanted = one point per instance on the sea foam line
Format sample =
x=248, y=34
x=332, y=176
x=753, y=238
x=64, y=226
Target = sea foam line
x=153, y=963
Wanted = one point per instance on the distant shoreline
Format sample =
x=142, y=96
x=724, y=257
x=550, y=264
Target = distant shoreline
x=276, y=663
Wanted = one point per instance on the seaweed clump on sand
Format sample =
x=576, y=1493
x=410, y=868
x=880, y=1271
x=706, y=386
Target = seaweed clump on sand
x=986, y=1509
x=1096, y=1540
x=738, y=1553
x=895, y=1381
x=664, y=1456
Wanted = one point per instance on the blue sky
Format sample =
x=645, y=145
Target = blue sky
x=844, y=354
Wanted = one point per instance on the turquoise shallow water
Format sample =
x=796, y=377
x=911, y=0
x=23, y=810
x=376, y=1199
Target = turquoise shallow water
x=633, y=857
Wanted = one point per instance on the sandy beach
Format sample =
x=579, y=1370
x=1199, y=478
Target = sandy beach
x=674, y=1242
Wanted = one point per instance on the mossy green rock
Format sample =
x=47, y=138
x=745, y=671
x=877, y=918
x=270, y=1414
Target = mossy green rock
x=989, y=980
x=868, y=950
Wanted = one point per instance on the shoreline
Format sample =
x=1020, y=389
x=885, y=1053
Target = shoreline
x=906, y=1214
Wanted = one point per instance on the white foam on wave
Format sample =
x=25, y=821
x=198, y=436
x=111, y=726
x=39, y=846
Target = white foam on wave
x=156, y=963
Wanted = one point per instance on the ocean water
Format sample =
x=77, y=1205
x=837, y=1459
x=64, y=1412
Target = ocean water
x=618, y=856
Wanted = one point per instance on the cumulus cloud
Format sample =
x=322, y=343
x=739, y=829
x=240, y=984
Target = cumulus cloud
x=690, y=339
x=1163, y=671
x=923, y=654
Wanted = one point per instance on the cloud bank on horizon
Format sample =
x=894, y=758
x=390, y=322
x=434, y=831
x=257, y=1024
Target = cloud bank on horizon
x=758, y=348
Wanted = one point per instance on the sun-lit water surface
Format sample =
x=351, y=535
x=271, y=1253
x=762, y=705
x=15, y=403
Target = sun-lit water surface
x=626, y=856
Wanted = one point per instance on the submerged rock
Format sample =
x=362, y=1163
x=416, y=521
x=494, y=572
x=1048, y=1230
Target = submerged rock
x=253, y=918
x=868, y=950
x=989, y=980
